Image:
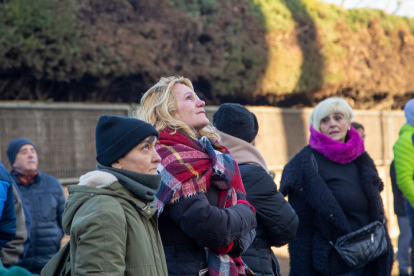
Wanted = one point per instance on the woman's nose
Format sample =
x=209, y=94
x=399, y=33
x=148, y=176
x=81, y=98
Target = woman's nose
x=156, y=157
x=201, y=103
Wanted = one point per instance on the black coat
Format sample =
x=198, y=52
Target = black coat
x=191, y=224
x=321, y=219
x=277, y=222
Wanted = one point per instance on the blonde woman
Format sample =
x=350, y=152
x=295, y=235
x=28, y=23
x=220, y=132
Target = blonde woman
x=334, y=187
x=205, y=222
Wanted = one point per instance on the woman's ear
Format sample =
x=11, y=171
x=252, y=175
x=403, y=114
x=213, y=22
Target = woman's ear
x=349, y=125
x=117, y=164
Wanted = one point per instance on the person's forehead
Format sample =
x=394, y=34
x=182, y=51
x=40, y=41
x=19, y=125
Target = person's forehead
x=182, y=89
x=27, y=146
x=334, y=113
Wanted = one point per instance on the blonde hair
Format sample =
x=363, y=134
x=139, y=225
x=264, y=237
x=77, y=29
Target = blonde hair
x=328, y=106
x=159, y=108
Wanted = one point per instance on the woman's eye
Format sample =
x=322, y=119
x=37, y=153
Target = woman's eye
x=146, y=148
x=188, y=98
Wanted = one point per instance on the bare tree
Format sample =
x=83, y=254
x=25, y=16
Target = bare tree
x=400, y=3
x=386, y=6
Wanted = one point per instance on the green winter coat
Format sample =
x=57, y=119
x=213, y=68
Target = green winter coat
x=111, y=231
x=404, y=162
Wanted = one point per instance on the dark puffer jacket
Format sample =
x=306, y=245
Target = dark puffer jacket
x=277, y=222
x=46, y=202
x=322, y=219
x=191, y=224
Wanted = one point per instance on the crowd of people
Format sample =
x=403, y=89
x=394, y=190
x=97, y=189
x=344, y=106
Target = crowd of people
x=176, y=194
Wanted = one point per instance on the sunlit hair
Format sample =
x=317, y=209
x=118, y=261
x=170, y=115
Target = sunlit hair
x=328, y=106
x=159, y=108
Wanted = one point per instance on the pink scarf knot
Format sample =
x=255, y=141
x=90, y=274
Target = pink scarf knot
x=337, y=151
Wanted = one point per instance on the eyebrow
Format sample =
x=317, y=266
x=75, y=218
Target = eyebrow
x=191, y=92
x=150, y=139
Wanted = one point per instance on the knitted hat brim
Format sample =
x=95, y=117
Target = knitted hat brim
x=124, y=145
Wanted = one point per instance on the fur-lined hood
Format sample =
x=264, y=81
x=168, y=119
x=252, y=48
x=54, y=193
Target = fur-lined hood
x=98, y=183
x=97, y=179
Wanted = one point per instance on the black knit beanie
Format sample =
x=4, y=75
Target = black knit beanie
x=115, y=136
x=237, y=121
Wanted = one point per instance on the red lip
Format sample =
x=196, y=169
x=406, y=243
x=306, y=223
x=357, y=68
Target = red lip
x=201, y=112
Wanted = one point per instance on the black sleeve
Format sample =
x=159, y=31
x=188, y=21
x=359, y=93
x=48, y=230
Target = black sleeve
x=210, y=226
x=272, y=210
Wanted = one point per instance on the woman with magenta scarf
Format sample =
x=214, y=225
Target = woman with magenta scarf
x=334, y=187
x=205, y=221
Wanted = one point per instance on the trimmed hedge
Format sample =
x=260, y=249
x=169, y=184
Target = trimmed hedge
x=233, y=50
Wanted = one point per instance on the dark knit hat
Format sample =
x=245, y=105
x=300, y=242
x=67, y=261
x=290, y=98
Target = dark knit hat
x=14, y=147
x=237, y=121
x=357, y=125
x=115, y=136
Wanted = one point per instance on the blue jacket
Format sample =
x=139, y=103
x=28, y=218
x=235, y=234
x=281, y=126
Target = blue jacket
x=7, y=212
x=14, y=251
x=45, y=201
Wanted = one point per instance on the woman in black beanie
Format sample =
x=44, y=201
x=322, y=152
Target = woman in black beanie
x=111, y=215
x=276, y=220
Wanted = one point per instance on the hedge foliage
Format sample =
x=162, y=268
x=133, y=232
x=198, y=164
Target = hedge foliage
x=114, y=50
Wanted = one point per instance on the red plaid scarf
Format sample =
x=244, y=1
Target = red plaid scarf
x=25, y=179
x=189, y=167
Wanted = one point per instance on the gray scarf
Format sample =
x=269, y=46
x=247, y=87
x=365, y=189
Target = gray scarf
x=143, y=186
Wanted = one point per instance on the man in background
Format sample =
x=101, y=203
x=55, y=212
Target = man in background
x=44, y=198
x=360, y=128
x=405, y=237
x=404, y=162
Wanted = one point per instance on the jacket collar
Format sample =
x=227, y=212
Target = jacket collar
x=79, y=194
x=243, y=152
x=144, y=186
x=38, y=178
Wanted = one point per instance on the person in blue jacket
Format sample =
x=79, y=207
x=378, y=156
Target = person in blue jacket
x=14, y=251
x=7, y=212
x=43, y=196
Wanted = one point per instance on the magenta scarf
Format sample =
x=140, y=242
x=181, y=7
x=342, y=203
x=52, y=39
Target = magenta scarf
x=337, y=151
